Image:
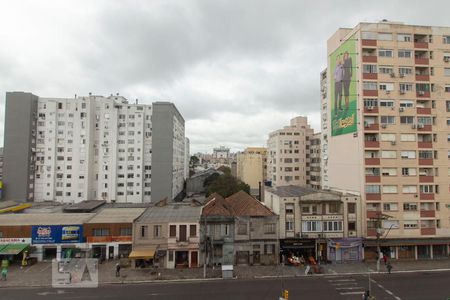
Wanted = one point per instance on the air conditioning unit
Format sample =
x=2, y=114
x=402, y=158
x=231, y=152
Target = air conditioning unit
x=446, y=58
x=401, y=109
x=383, y=125
x=370, y=108
x=393, y=143
x=420, y=126
x=413, y=126
x=421, y=93
x=402, y=92
x=402, y=75
x=388, y=92
x=392, y=75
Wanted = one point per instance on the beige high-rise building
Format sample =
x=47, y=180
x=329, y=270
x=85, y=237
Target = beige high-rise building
x=315, y=160
x=252, y=167
x=387, y=115
x=288, y=154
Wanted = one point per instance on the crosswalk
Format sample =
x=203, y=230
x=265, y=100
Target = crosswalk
x=347, y=287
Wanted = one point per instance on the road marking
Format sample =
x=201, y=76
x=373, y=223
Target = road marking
x=46, y=267
x=350, y=288
x=352, y=293
x=344, y=283
x=386, y=290
x=29, y=268
x=340, y=280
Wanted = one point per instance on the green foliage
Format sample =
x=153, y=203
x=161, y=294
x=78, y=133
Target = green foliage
x=193, y=162
x=225, y=185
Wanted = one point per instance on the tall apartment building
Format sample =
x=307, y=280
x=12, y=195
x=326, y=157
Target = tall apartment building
x=252, y=168
x=94, y=147
x=288, y=157
x=387, y=129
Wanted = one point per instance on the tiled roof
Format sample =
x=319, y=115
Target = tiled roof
x=171, y=212
x=239, y=204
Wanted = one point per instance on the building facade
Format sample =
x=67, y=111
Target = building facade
x=313, y=222
x=252, y=168
x=288, y=157
x=93, y=147
x=386, y=118
x=315, y=157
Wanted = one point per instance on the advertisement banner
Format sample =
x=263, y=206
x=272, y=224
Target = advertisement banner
x=55, y=234
x=343, y=88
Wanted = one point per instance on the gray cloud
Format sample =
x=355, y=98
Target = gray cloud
x=236, y=70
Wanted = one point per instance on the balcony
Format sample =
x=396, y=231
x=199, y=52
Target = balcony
x=425, y=144
x=425, y=128
x=372, y=178
x=370, y=127
x=370, y=93
x=373, y=76
x=108, y=239
x=373, y=214
x=370, y=58
x=422, y=77
x=427, y=213
x=426, y=179
x=371, y=43
x=374, y=161
x=425, y=161
x=372, y=144
x=371, y=232
x=423, y=94
x=427, y=196
x=371, y=109
x=373, y=196
x=421, y=45
x=423, y=111
x=421, y=61
x=428, y=231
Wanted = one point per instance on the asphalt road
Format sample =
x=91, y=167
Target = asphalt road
x=430, y=286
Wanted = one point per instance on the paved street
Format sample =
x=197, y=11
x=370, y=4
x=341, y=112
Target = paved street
x=430, y=286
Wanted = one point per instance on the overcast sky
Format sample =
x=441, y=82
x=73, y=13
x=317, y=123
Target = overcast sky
x=236, y=70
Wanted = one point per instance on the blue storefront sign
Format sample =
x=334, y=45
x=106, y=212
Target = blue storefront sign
x=55, y=234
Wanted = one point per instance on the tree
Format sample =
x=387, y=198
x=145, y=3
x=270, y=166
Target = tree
x=193, y=162
x=225, y=185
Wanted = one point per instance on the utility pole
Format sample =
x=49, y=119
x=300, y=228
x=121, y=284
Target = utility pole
x=378, y=222
x=205, y=248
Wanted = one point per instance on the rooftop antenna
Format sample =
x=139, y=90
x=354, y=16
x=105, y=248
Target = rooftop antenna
x=136, y=101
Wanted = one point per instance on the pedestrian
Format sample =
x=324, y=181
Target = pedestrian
x=4, y=273
x=389, y=267
x=385, y=258
x=117, y=270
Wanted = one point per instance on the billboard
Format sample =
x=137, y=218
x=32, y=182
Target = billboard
x=343, y=88
x=55, y=234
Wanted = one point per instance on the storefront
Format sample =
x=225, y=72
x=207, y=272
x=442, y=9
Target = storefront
x=297, y=248
x=142, y=257
x=345, y=250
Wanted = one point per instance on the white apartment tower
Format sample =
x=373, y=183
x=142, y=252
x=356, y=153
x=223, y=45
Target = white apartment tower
x=101, y=148
x=288, y=157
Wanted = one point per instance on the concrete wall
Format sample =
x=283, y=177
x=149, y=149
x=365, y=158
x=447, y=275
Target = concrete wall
x=20, y=124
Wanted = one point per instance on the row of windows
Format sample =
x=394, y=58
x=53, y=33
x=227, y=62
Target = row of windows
x=406, y=189
x=407, y=206
x=407, y=224
x=173, y=230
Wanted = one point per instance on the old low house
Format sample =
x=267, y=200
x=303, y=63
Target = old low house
x=243, y=224
x=320, y=223
x=167, y=235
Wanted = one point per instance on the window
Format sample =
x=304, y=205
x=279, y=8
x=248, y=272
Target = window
x=388, y=154
x=426, y=189
x=289, y=208
x=351, y=208
x=390, y=224
x=312, y=226
x=409, y=189
x=126, y=231
x=388, y=137
x=332, y=226
x=289, y=225
x=404, y=53
x=369, y=68
x=386, y=103
x=387, y=120
x=413, y=224
x=351, y=226
x=370, y=85
x=100, y=231
x=368, y=35
x=242, y=229
x=157, y=231
x=402, y=71
x=389, y=189
x=408, y=154
x=406, y=87
x=406, y=120
x=269, y=228
x=389, y=172
x=386, y=70
x=305, y=209
x=370, y=102
x=407, y=137
x=446, y=39
x=424, y=120
x=171, y=255
x=144, y=231
x=385, y=36
x=372, y=189
x=172, y=230
x=447, y=71
x=385, y=53
x=403, y=37
x=193, y=230
x=409, y=171
x=334, y=208
x=386, y=86
x=269, y=249
x=410, y=206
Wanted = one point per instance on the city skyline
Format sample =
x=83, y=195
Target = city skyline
x=234, y=83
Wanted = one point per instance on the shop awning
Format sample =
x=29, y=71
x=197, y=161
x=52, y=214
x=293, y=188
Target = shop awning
x=12, y=249
x=142, y=253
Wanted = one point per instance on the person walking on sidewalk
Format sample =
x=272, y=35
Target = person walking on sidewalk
x=4, y=273
x=389, y=267
x=385, y=258
x=117, y=270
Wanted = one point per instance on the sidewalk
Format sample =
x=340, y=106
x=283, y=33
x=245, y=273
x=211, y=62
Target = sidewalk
x=40, y=274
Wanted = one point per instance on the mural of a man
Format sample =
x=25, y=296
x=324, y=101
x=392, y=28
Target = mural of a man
x=338, y=76
x=347, y=77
